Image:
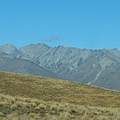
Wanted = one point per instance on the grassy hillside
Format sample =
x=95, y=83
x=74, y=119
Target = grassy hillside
x=25, y=97
x=20, y=108
x=57, y=90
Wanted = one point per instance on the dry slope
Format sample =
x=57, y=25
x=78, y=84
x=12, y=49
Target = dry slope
x=57, y=90
x=19, y=108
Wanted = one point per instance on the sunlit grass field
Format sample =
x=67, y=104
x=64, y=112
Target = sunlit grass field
x=37, y=98
x=21, y=108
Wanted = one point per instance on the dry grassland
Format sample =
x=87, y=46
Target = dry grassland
x=19, y=108
x=25, y=97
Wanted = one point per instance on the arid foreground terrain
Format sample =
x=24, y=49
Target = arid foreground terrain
x=24, y=97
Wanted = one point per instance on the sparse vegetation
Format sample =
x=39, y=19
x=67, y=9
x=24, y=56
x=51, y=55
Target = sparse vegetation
x=20, y=109
x=25, y=97
x=48, y=89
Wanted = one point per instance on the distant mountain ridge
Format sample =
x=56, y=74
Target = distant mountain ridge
x=94, y=67
x=11, y=64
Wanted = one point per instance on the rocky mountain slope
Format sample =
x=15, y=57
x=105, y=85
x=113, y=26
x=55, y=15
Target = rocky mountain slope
x=11, y=64
x=93, y=67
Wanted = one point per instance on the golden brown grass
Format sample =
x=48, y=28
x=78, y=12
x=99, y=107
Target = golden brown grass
x=20, y=108
x=57, y=90
x=25, y=97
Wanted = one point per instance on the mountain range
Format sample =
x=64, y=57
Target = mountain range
x=93, y=67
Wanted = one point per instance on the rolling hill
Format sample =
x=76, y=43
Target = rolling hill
x=57, y=90
x=27, y=97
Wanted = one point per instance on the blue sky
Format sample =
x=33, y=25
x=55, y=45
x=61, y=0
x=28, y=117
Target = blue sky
x=92, y=24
